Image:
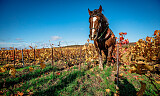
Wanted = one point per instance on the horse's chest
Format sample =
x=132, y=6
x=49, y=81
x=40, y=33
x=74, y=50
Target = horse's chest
x=101, y=45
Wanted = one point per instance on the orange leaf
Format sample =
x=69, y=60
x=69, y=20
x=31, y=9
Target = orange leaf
x=11, y=48
x=87, y=40
x=148, y=39
x=2, y=69
x=58, y=73
x=31, y=47
x=157, y=32
x=121, y=38
x=125, y=33
x=43, y=65
x=121, y=33
x=112, y=36
x=20, y=93
x=31, y=69
x=158, y=82
x=108, y=90
x=127, y=41
x=121, y=74
x=12, y=72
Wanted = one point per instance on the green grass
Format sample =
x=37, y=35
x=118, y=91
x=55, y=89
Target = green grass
x=38, y=72
x=75, y=82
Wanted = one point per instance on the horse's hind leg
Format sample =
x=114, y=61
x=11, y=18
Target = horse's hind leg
x=106, y=54
x=110, y=51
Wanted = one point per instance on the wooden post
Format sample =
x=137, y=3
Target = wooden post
x=22, y=58
x=80, y=57
x=34, y=56
x=52, y=56
x=14, y=56
x=117, y=63
x=7, y=59
x=1, y=57
x=28, y=55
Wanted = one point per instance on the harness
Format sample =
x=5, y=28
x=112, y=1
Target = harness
x=97, y=30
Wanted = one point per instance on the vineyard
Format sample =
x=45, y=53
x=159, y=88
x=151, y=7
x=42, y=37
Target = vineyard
x=74, y=70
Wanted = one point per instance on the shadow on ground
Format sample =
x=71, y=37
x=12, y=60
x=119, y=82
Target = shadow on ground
x=53, y=90
x=126, y=88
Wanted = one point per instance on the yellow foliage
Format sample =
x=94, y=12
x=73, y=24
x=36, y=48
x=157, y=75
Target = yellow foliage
x=2, y=69
x=158, y=82
x=108, y=90
x=31, y=69
x=12, y=71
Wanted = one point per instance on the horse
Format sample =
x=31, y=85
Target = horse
x=104, y=38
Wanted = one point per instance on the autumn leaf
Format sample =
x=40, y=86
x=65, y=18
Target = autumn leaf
x=121, y=38
x=42, y=65
x=31, y=69
x=28, y=90
x=157, y=32
x=158, y=82
x=87, y=40
x=121, y=74
x=127, y=41
x=2, y=69
x=125, y=33
x=97, y=74
x=31, y=47
x=11, y=48
x=3, y=48
x=12, y=72
x=121, y=33
x=148, y=39
x=141, y=79
x=112, y=36
x=108, y=90
x=58, y=73
x=1, y=92
x=20, y=93
x=123, y=42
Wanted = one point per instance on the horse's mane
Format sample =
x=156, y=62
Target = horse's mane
x=105, y=20
x=97, y=13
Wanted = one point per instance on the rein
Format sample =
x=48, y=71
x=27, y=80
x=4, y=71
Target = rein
x=98, y=29
x=103, y=32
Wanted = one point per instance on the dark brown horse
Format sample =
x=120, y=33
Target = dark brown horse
x=104, y=39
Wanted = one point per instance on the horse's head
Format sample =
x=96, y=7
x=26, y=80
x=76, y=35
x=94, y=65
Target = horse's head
x=94, y=21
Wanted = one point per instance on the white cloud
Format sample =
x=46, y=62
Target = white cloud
x=54, y=38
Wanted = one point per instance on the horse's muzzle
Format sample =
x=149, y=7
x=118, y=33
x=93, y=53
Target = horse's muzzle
x=94, y=37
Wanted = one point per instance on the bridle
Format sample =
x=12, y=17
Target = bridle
x=97, y=30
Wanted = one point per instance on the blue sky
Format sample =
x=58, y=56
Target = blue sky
x=35, y=22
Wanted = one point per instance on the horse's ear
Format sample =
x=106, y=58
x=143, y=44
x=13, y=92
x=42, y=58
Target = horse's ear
x=100, y=8
x=89, y=11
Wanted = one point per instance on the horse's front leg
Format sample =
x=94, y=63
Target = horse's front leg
x=99, y=55
x=100, y=60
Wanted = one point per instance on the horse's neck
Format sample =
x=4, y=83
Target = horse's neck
x=104, y=22
x=104, y=27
